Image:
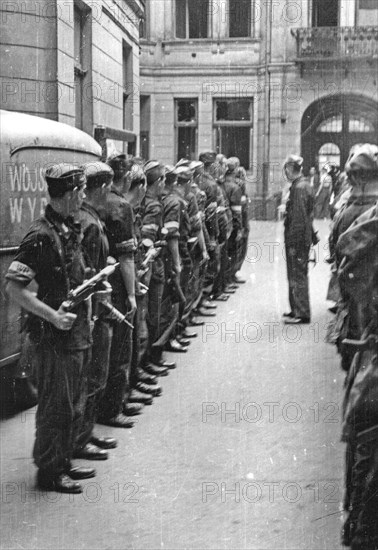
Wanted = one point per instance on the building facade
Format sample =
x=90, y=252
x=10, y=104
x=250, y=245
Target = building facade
x=259, y=80
x=74, y=61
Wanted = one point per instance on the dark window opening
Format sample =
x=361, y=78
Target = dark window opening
x=239, y=18
x=82, y=67
x=186, y=122
x=128, y=87
x=186, y=111
x=192, y=18
x=233, y=109
x=325, y=13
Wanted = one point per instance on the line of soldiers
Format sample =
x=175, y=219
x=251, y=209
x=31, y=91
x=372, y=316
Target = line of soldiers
x=172, y=239
x=354, y=251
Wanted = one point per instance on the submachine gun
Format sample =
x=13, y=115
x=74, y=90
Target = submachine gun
x=99, y=288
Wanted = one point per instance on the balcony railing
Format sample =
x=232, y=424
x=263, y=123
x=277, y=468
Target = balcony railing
x=336, y=42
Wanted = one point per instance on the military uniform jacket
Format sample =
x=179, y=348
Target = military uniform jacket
x=119, y=224
x=234, y=196
x=152, y=218
x=299, y=214
x=95, y=241
x=208, y=185
x=51, y=254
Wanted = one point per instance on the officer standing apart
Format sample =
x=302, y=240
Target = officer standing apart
x=51, y=255
x=298, y=239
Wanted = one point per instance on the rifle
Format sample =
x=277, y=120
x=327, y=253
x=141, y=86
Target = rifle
x=96, y=285
x=176, y=289
x=370, y=342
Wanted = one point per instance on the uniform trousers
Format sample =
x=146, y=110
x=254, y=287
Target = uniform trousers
x=297, y=274
x=61, y=403
x=96, y=377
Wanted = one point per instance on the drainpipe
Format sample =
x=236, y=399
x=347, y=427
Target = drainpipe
x=267, y=98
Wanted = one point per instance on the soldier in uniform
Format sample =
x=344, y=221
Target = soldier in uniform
x=152, y=225
x=99, y=177
x=298, y=239
x=241, y=178
x=357, y=249
x=51, y=254
x=234, y=194
x=361, y=199
x=207, y=184
x=141, y=392
x=172, y=294
x=119, y=223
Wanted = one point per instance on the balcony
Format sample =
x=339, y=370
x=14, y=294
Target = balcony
x=336, y=43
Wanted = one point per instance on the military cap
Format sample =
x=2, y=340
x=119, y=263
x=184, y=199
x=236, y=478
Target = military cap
x=184, y=173
x=196, y=166
x=208, y=157
x=183, y=162
x=296, y=160
x=232, y=163
x=153, y=170
x=64, y=177
x=170, y=174
x=119, y=163
x=97, y=174
x=363, y=159
x=137, y=175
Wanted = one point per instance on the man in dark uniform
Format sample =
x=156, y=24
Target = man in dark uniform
x=140, y=391
x=298, y=239
x=99, y=177
x=119, y=223
x=357, y=249
x=233, y=194
x=152, y=225
x=362, y=197
x=51, y=255
x=172, y=294
x=207, y=184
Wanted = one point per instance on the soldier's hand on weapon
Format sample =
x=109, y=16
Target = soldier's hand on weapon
x=62, y=319
x=131, y=303
x=205, y=255
x=239, y=235
x=177, y=270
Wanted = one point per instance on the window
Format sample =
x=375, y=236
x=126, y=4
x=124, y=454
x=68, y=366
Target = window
x=128, y=87
x=145, y=123
x=192, y=18
x=82, y=67
x=233, y=121
x=367, y=13
x=239, y=13
x=360, y=125
x=332, y=124
x=186, y=122
x=325, y=13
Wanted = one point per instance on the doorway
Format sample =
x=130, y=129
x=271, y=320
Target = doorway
x=343, y=120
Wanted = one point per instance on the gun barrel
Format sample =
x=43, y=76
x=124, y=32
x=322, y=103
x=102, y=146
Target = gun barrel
x=117, y=314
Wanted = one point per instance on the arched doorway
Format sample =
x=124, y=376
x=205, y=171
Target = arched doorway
x=341, y=120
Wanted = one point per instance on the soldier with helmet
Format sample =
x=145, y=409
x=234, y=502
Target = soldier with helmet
x=51, y=254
